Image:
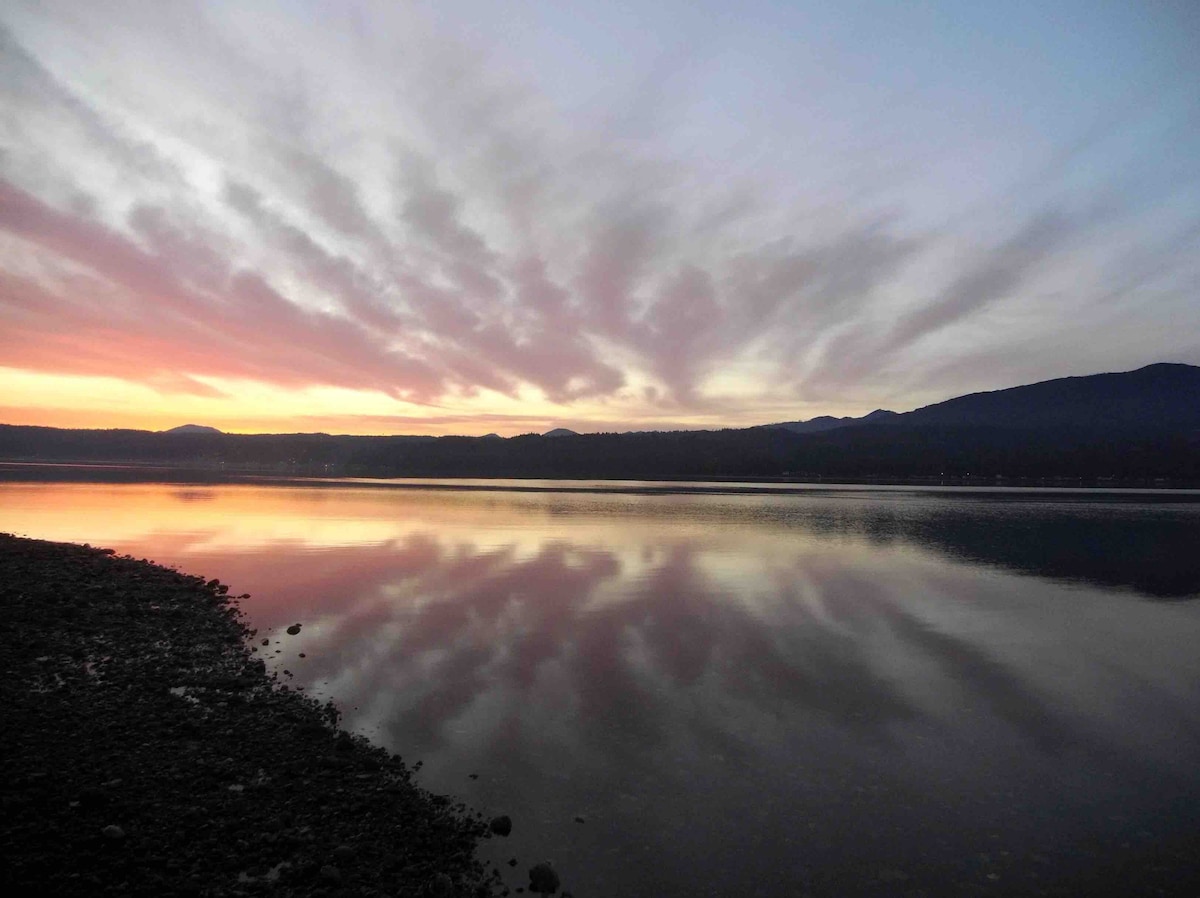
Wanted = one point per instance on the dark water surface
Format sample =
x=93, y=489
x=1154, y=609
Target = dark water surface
x=852, y=691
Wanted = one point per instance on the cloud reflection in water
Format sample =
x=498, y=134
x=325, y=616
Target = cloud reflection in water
x=757, y=693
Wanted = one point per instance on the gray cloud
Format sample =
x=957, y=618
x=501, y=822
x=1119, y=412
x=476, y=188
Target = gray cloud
x=384, y=207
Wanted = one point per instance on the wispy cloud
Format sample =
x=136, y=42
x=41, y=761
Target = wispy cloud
x=368, y=200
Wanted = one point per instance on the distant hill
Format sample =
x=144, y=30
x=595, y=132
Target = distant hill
x=192, y=428
x=1134, y=427
x=828, y=422
x=1157, y=396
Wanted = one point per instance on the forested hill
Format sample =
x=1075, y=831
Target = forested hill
x=1163, y=396
x=1136, y=426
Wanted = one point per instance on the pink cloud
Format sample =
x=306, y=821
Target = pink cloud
x=386, y=208
x=245, y=329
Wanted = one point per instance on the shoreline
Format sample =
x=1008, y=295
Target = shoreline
x=18, y=472
x=147, y=751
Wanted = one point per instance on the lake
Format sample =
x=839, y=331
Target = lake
x=827, y=691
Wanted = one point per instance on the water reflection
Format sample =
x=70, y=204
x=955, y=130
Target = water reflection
x=740, y=694
x=1144, y=547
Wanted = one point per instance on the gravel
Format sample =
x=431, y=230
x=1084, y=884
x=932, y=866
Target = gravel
x=145, y=751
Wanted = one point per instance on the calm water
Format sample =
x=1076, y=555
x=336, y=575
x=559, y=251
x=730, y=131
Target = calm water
x=836, y=692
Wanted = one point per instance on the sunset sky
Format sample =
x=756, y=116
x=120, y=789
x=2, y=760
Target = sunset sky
x=463, y=217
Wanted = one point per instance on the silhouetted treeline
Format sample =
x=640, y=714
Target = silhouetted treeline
x=867, y=452
x=1130, y=427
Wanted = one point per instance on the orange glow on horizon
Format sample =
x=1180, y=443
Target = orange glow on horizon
x=95, y=419
x=248, y=407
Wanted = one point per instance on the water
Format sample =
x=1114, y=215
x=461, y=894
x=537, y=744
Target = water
x=834, y=691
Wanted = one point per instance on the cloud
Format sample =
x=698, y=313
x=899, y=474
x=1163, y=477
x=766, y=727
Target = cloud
x=995, y=274
x=377, y=202
x=155, y=323
x=35, y=101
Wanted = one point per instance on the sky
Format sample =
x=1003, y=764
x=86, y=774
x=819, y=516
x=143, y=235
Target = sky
x=473, y=217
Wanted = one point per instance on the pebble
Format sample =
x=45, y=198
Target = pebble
x=343, y=854
x=113, y=832
x=331, y=874
x=501, y=826
x=293, y=629
x=543, y=879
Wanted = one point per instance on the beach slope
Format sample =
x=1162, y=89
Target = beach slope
x=146, y=751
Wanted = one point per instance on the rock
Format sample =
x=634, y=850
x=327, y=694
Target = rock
x=579, y=818
x=501, y=826
x=543, y=879
x=190, y=832
x=293, y=629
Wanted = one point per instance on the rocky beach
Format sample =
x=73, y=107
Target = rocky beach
x=147, y=751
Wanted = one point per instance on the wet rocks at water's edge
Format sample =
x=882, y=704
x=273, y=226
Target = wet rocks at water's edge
x=145, y=750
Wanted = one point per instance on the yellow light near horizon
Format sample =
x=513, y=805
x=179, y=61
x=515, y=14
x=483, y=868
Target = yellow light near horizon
x=63, y=400
x=245, y=406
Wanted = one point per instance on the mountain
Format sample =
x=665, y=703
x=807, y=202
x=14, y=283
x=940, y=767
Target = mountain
x=1109, y=427
x=828, y=422
x=192, y=428
x=560, y=432
x=1164, y=395
x=1135, y=427
x=1157, y=396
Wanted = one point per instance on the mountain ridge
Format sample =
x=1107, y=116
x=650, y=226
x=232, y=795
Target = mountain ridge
x=1137, y=426
x=1121, y=398
x=192, y=428
x=824, y=423
x=1065, y=401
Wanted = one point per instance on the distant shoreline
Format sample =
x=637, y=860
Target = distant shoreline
x=133, y=472
x=1134, y=429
